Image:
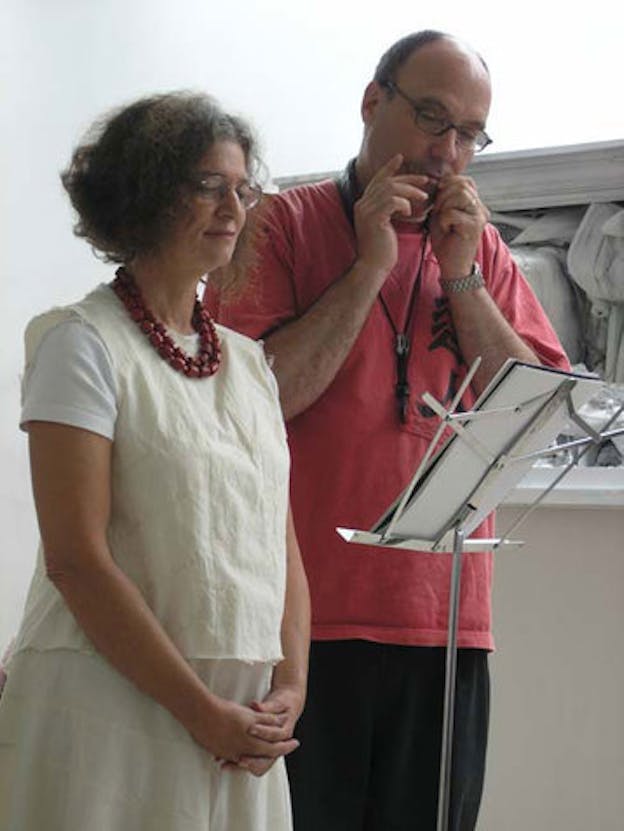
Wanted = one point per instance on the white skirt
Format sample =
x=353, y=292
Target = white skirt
x=81, y=749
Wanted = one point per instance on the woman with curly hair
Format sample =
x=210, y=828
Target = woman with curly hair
x=161, y=663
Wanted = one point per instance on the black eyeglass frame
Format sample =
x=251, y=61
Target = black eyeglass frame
x=480, y=141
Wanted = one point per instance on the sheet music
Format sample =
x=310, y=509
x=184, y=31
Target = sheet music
x=521, y=411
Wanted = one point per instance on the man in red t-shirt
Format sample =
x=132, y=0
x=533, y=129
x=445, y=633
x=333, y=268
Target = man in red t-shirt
x=372, y=290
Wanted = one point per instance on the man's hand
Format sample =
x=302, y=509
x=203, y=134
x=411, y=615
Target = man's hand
x=457, y=221
x=387, y=195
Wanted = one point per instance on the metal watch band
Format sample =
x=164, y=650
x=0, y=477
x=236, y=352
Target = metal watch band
x=471, y=281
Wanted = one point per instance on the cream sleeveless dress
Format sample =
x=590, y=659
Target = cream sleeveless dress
x=199, y=501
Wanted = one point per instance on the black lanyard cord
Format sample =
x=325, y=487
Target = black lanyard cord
x=402, y=343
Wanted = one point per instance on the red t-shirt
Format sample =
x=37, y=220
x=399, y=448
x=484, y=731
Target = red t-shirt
x=351, y=455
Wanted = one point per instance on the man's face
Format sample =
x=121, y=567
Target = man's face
x=449, y=83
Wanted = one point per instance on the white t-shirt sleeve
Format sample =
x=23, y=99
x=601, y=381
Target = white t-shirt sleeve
x=70, y=381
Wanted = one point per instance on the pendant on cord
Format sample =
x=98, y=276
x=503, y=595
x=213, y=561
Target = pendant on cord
x=402, y=390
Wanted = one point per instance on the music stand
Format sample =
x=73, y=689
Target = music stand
x=514, y=421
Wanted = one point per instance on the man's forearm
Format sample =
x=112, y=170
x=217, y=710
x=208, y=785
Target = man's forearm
x=309, y=351
x=483, y=331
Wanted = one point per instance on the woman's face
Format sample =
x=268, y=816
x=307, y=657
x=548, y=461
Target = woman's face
x=205, y=235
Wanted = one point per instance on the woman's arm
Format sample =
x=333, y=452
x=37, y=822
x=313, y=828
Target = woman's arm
x=288, y=687
x=290, y=676
x=71, y=474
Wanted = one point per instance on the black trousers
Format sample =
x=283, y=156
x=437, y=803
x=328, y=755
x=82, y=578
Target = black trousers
x=371, y=735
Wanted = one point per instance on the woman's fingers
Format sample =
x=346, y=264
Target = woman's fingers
x=269, y=733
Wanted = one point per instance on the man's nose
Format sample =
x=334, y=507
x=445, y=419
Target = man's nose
x=445, y=146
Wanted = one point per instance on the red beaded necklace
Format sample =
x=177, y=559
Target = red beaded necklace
x=208, y=357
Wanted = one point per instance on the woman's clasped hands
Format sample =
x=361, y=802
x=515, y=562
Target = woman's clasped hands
x=246, y=738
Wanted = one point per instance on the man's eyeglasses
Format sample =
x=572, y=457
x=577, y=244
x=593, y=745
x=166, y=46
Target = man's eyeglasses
x=216, y=187
x=468, y=138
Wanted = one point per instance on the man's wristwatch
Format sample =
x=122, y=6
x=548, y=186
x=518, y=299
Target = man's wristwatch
x=471, y=281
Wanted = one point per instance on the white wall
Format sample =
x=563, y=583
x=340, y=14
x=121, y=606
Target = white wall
x=556, y=755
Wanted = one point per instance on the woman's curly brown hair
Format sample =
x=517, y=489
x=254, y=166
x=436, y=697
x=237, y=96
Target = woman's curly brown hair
x=127, y=180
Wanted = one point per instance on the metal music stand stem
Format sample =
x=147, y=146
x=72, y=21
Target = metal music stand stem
x=450, y=679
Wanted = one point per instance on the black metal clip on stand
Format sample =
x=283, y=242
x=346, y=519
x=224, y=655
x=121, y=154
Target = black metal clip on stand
x=491, y=447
